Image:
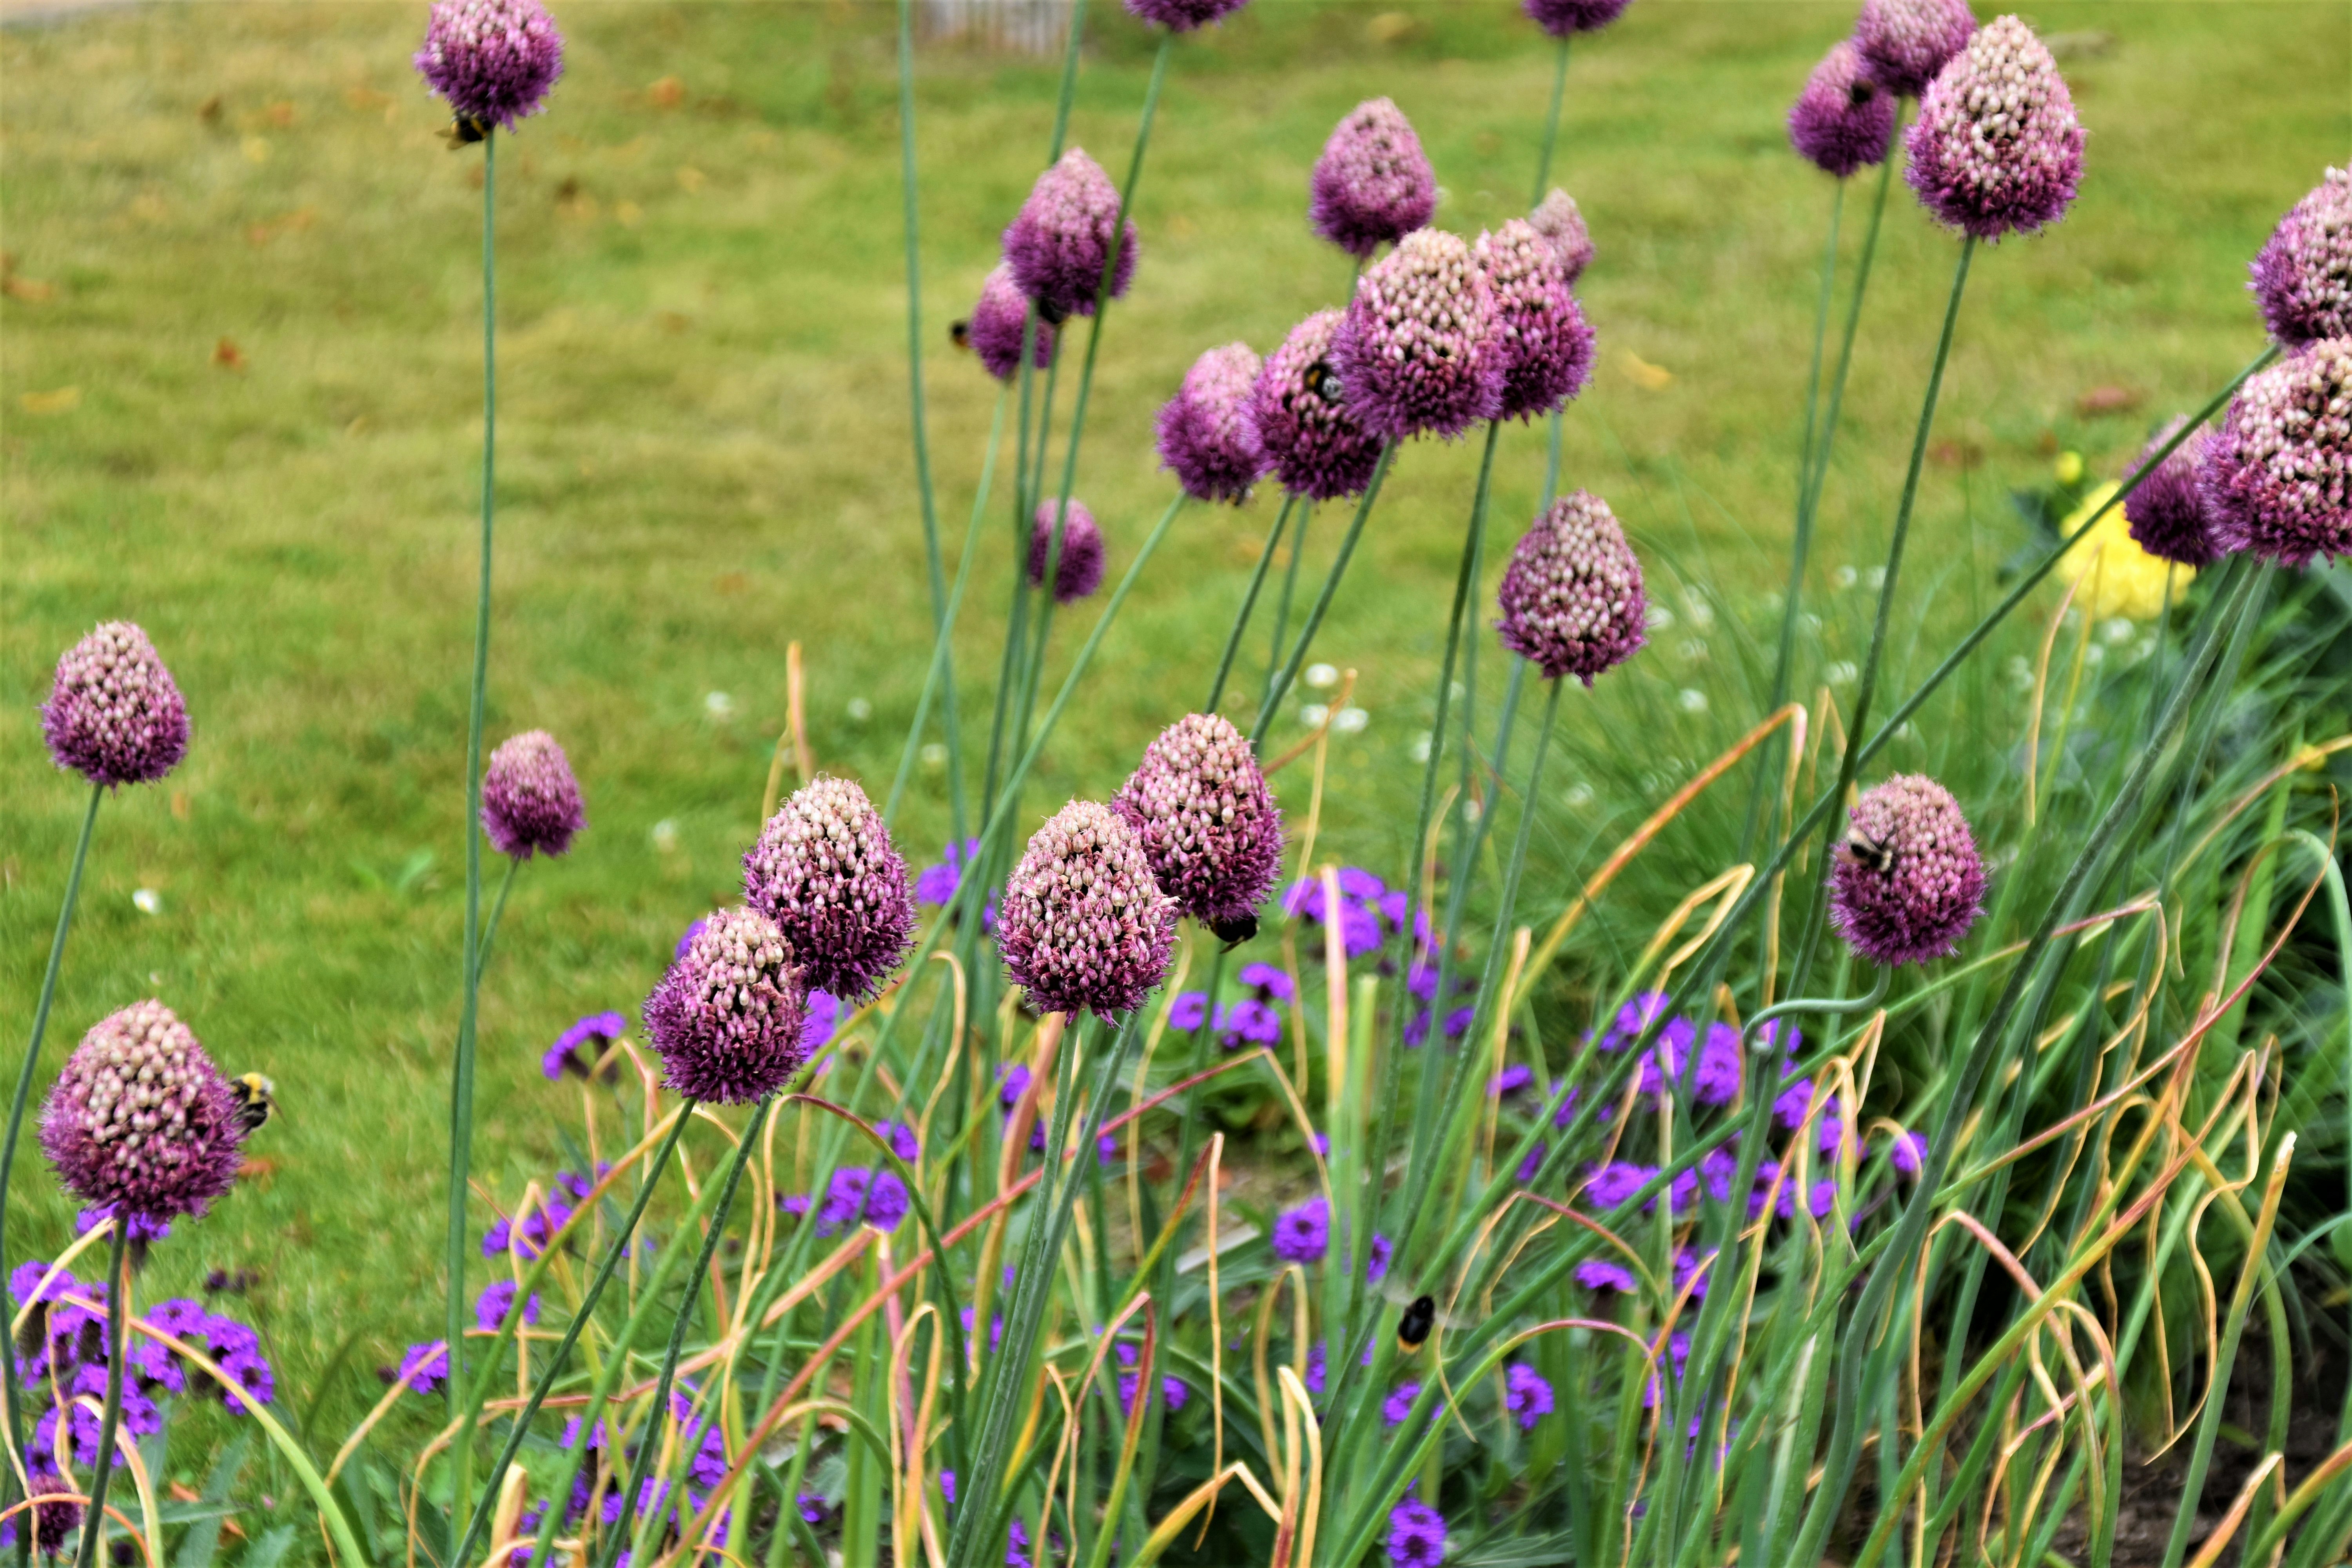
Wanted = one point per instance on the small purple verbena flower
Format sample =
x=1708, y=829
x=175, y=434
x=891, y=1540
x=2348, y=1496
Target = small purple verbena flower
x=1182, y=15
x=424, y=1366
x=143, y=1228
x=793, y=1203
x=1566, y=18
x=1189, y=1011
x=1271, y=982
x=1909, y=883
x=1419, y=349
x=564, y=1056
x=1059, y=247
x=1399, y=1404
x=902, y=1140
x=1557, y=218
x=1616, y=1182
x=999, y=319
x=1206, y=439
x=114, y=714
x=1084, y=926
x=490, y=1308
x=1376, y=1263
x=1843, y=121
x=56, y=1521
x=1373, y=184
x=1513, y=1079
x=825, y=871
x=1688, y=1267
x=2167, y=513
x=1416, y=1535
x=2302, y=274
x=493, y=60
x=1078, y=571
x=1717, y=1081
x=1997, y=149
x=1545, y=343
x=1526, y=1394
x=1904, y=43
x=1533, y=1164
x=1907, y=1150
x=530, y=802
x=1248, y=1022
x=823, y=1017
x=1209, y=826
x=1572, y=597
x=1302, y=1235
x=727, y=1018
x=1311, y=442
x=140, y=1120
x=2277, y=476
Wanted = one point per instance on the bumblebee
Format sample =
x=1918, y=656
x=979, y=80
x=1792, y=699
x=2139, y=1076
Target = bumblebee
x=1235, y=931
x=1323, y=380
x=1867, y=853
x=465, y=131
x=1414, y=1326
x=256, y=1099
x=960, y=334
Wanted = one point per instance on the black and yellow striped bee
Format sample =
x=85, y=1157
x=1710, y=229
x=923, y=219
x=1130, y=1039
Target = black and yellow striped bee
x=1867, y=853
x=960, y=334
x=466, y=130
x=1235, y=931
x=1414, y=1326
x=256, y=1099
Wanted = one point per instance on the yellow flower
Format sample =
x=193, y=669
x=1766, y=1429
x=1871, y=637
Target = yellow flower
x=2070, y=468
x=2118, y=577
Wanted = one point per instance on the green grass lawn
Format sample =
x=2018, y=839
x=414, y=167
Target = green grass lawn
x=242, y=406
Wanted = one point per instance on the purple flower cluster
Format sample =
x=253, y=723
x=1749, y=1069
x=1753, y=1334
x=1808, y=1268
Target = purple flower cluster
x=528, y=1237
x=1311, y=442
x=2303, y=276
x=998, y=321
x=1556, y=218
x=496, y=1299
x=1908, y=883
x=1302, y=1235
x=2277, y=476
x=1572, y=597
x=825, y=871
x=1997, y=149
x=1085, y=925
x=1526, y=1394
x=1416, y=1531
x=1368, y=913
x=1417, y=350
x=2166, y=511
x=1206, y=437
x=494, y=60
x=858, y=1195
x=140, y=1120
x=114, y=714
x=727, y=1018
x=1078, y=570
x=1373, y=184
x=1544, y=342
x=1904, y=43
x=1174, y=1394
x=566, y=1055
x=530, y=802
x=1059, y=247
x=1207, y=823
x=1566, y=18
x=1844, y=120
x=1252, y=1019
x=64, y=1348
x=1182, y=15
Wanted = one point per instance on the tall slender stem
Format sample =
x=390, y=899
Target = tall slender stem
x=1551, y=127
x=1289, y=591
x=8, y=1384
x=1289, y=672
x=498, y=911
x=117, y=1349
x=461, y=1075
x=1249, y=602
x=948, y=717
x=1857, y=726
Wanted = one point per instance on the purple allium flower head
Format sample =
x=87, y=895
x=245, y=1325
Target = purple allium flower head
x=494, y=60
x=1205, y=437
x=1566, y=18
x=1312, y=444
x=1060, y=244
x=1085, y=925
x=1399, y=1404
x=1904, y=43
x=1909, y=1151
x=1420, y=349
x=1416, y=1535
x=727, y=1018
x=1572, y=597
x=1997, y=149
x=2277, y=477
x=998, y=321
x=1545, y=343
x=1182, y=15
x=1931, y=889
x=490, y=1308
x=1079, y=570
x=1556, y=218
x=530, y=802
x=1844, y=120
x=1526, y=1394
x=1302, y=1235
x=2303, y=276
x=565, y=1055
x=825, y=871
x=113, y=715
x=1208, y=824
x=1373, y=184
x=141, y=1119
x=2167, y=513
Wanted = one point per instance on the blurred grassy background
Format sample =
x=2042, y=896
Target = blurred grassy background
x=241, y=388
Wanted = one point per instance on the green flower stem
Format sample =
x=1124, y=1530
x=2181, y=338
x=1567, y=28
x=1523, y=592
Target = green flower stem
x=658, y=1411
x=940, y=614
x=1289, y=590
x=1852, y=762
x=1289, y=672
x=1551, y=126
x=481, y=1388
x=461, y=1074
x=1249, y=602
x=118, y=1333
x=498, y=910
x=10, y=1388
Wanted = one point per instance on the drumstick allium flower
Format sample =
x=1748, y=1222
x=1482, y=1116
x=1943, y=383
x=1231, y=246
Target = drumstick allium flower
x=1083, y=924
x=141, y=1120
x=531, y=801
x=2303, y=276
x=493, y=60
x=1059, y=246
x=1419, y=349
x=1312, y=444
x=1373, y=184
x=726, y=1019
x=825, y=871
x=1909, y=882
x=1844, y=120
x=1997, y=149
x=1572, y=597
x=114, y=714
x=1208, y=824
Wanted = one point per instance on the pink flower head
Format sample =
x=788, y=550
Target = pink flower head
x=1908, y=883
x=2277, y=476
x=530, y=802
x=1206, y=438
x=1904, y=43
x=1419, y=349
x=1844, y=120
x=140, y=1120
x=114, y=715
x=1311, y=442
x=2303, y=277
x=1373, y=184
x=1059, y=247
x=1572, y=597
x=1544, y=339
x=1997, y=149
x=494, y=60
x=1083, y=924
